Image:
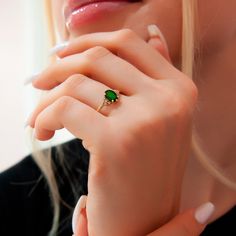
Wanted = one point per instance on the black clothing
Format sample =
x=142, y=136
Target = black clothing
x=25, y=208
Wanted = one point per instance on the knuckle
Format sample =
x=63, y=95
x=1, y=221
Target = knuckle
x=126, y=34
x=96, y=53
x=63, y=104
x=194, y=92
x=73, y=81
x=181, y=97
x=54, y=111
x=41, y=120
x=178, y=105
x=191, y=88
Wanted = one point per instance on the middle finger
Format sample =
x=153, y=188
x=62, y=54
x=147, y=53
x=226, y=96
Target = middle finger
x=99, y=64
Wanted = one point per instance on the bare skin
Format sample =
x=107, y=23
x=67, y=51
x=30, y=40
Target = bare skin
x=215, y=122
x=217, y=29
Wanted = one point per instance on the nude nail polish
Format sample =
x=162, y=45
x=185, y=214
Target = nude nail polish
x=204, y=212
x=57, y=48
x=34, y=134
x=31, y=78
x=154, y=31
x=28, y=120
x=26, y=125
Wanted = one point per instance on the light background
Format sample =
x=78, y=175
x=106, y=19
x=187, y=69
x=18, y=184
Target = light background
x=23, y=40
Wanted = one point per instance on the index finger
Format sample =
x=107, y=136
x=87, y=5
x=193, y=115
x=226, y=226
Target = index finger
x=129, y=46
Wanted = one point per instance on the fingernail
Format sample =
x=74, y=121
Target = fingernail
x=26, y=125
x=27, y=121
x=204, y=212
x=79, y=206
x=34, y=134
x=154, y=31
x=58, y=48
x=31, y=78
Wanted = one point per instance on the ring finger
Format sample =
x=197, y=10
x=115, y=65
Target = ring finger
x=80, y=87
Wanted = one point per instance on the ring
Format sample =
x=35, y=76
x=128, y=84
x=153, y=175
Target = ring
x=110, y=97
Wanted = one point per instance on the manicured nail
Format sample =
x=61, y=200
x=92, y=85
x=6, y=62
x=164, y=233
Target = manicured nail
x=31, y=78
x=154, y=31
x=79, y=206
x=33, y=134
x=57, y=48
x=26, y=125
x=204, y=212
x=27, y=122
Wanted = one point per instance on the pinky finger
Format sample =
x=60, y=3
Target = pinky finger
x=66, y=112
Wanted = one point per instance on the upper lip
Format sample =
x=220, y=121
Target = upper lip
x=72, y=5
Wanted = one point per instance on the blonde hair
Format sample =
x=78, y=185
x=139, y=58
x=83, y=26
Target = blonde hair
x=43, y=158
x=189, y=47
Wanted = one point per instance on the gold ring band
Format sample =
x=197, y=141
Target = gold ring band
x=111, y=96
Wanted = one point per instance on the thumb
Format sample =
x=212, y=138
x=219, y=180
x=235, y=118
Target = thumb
x=79, y=219
x=189, y=223
x=158, y=42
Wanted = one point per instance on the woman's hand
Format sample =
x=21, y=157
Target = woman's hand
x=139, y=145
x=189, y=223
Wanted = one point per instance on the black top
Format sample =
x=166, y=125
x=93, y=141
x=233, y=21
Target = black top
x=25, y=207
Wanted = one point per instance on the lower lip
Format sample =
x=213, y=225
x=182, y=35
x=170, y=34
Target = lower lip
x=93, y=12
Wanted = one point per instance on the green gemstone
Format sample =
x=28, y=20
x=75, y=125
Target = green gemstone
x=111, y=95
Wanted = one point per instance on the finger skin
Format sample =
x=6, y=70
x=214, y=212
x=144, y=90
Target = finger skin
x=135, y=58
x=79, y=87
x=64, y=114
x=160, y=47
x=183, y=224
x=126, y=44
x=97, y=63
x=82, y=227
x=80, y=119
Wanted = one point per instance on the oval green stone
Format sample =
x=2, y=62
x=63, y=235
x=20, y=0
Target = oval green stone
x=111, y=96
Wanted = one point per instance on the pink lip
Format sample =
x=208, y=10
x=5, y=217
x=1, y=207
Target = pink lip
x=78, y=12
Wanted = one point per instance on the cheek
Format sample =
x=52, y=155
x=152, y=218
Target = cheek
x=215, y=21
x=206, y=20
x=167, y=15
